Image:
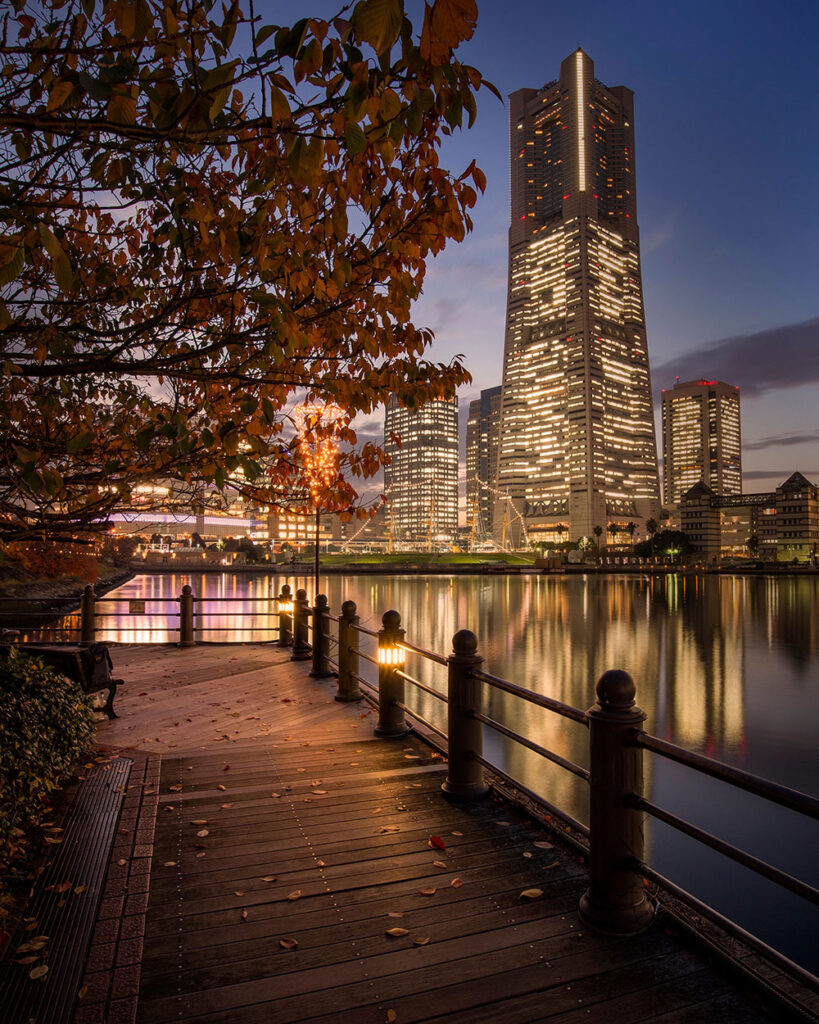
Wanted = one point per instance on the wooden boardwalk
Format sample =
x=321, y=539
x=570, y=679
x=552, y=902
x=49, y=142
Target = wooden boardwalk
x=290, y=842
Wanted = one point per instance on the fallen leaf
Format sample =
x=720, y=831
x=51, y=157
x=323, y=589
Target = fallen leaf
x=436, y=843
x=504, y=824
x=27, y=960
x=238, y=892
x=80, y=889
x=226, y=768
x=169, y=864
x=319, y=792
x=387, y=829
x=526, y=853
x=531, y=894
x=202, y=833
x=391, y=1017
x=175, y=789
x=220, y=786
x=199, y=821
x=276, y=796
x=456, y=883
x=456, y=833
x=244, y=915
x=226, y=807
x=38, y=972
x=420, y=940
x=321, y=864
x=294, y=895
x=200, y=855
x=397, y=932
x=82, y=993
x=301, y=769
x=63, y=887
x=427, y=892
x=554, y=864
x=122, y=861
x=315, y=782
x=288, y=943
x=269, y=878
x=439, y=864
x=394, y=913
x=544, y=846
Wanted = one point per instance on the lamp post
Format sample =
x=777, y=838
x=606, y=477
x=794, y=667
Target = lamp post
x=318, y=448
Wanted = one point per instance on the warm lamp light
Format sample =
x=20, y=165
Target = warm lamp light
x=285, y=607
x=391, y=654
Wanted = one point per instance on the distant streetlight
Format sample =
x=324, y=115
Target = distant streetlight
x=318, y=449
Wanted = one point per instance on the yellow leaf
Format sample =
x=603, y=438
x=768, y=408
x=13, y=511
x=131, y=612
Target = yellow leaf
x=396, y=933
x=289, y=943
x=59, y=93
x=121, y=109
x=531, y=894
x=295, y=895
x=378, y=23
x=421, y=940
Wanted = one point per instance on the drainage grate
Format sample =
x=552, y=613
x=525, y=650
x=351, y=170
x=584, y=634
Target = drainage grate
x=82, y=859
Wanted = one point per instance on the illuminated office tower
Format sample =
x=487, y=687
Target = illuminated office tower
x=421, y=482
x=482, y=435
x=701, y=438
x=577, y=444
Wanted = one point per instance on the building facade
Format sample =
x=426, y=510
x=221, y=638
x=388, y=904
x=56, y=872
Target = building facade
x=577, y=443
x=482, y=436
x=421, y=482
x=701, y=438
x=780, y=525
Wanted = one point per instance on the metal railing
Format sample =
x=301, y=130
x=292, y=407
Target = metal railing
x=617, y=900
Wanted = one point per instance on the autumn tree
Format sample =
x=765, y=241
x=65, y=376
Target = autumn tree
x=206, y=219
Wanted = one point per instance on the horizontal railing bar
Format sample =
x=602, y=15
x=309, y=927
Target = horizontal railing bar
x=332, y=618
x=782, y=795
x=232, y=600
x=423, y=652
x=534, y=698
x=332, y=664
x=332, y=639
x=171, y=613
x=570, y=766
x=578, y=826
x=420, y=718
x=237, y=615
x=122, y=600
x=366, y=657
x=422, y=686
x=236, y=629
x=761, y=867
x=363, y=629
x=691, y=901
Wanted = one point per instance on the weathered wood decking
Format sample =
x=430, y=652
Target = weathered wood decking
x=318, y=832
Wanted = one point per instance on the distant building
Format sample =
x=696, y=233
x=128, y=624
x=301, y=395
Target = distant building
x=780, y=525
x=421, y=482
x=577, y=447
x=482, y=435
x=701, y=439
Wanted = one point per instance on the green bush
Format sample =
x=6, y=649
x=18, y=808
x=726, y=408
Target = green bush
x=46, y=724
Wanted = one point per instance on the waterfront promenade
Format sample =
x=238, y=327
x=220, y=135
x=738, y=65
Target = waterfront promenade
x=270, y=844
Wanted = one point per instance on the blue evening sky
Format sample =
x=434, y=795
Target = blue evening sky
x=727, y=138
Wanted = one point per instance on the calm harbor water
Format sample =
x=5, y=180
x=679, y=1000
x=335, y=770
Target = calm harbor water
x=727, y=666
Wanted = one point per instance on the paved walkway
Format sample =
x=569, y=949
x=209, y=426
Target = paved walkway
x=277, y=863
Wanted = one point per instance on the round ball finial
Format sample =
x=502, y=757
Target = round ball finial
x=89, y=588
x=391, y=620
x=348, y=609
x=187, y=589
x=464, y=642
x=286, y=590
x=301, y=594
x=321, y=601
x=616, y=690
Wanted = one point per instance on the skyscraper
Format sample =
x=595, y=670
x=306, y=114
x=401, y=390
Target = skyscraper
x=421, y=482
x=701, y=438
x=577, y=445
x=482, y=435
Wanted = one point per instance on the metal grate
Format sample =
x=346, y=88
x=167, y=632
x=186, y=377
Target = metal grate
x=82, y=859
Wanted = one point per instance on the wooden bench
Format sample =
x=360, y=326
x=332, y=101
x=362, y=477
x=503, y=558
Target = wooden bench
x=90, y=666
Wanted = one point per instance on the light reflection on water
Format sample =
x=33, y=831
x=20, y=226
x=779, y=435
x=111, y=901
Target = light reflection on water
x=723, y=665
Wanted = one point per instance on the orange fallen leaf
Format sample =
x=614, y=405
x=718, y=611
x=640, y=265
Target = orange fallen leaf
x=554, y=864
x=199, y=821
x=176, y=788
x=391, y=1017
x=80, y=889
x=294, y=895
x=421, y=940
x=439, y=864
x=27, y=960
x=319, y=792
x=238, y=892
x=269, y=878
x=544, y=846
x=394, y=913
x=244, y=915
x=456, y=833
x=531, y=894
x=456, y=883
x=169, y=864
x=427, y=892
x=63, y=887
x=397, y=932
x=202, y=833
x=38, y=972
x=220, y=786
x=289, y=943
x=83, y=992
x=200, y=855
x=276, y=796
x=321, y=864
x=226, y=807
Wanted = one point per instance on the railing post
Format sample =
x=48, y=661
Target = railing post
x=88, y=626
x=321, y=639
x=301, y=647
x=391, y=720
x=464, y=779
x=348, y=654
x=285, y=605
x=616, y=900
x=186, y=617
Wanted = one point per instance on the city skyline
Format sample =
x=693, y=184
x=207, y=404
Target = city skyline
x=728, y=267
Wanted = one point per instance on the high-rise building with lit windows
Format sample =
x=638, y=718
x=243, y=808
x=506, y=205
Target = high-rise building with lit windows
x=482, y=435
x=577, y=446
x=701, y=438
x=421, y=482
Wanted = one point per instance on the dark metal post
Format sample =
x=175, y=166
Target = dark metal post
x=616, y=900
x=464, y=779
x=321, y=639
x=186, y=617
x=391, y=720
x=88, y=626
x=285, y=617
x=301, y=648
x=348, y=654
